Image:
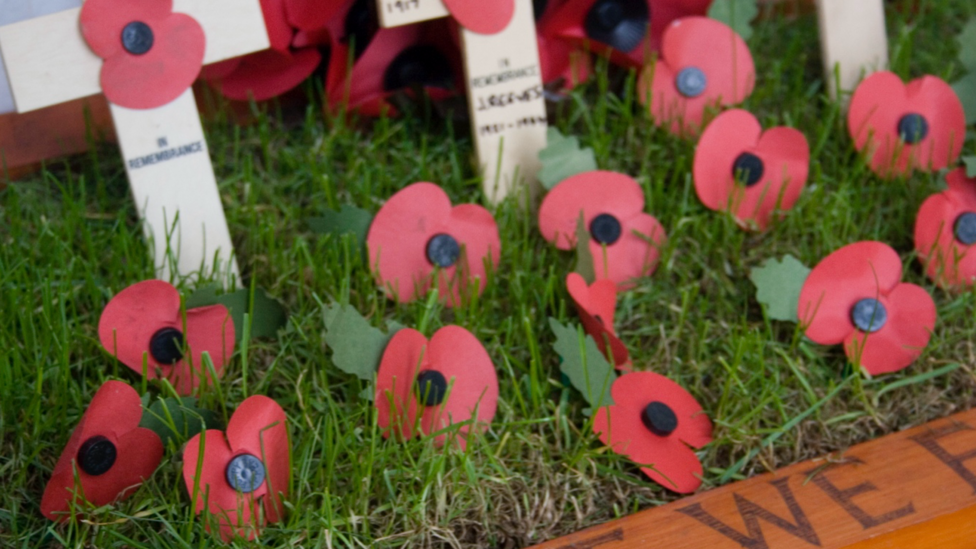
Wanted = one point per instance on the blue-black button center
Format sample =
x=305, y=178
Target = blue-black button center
x=965, y=229
x=166, y=346
x=869, y=315
x=431, y=387
x=620, y=24
x=913, y=128
x=137, y=38
x=691, y=82
x=748, y=169
x=443, y=250
x=96, y=456
x=605, y=229
x=659, y=419
x=422, y=65
x=245, y=473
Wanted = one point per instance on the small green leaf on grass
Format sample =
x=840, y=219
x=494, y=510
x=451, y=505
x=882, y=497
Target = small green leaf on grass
x=563, y=158
x=585, y=265
x=349, y=219
x=967, y=45
x=778, y=285
x=737, y=14
x=583, y=363
x=357, y=346
x=267, y=314
x=970, y=162
x=965, y=89
x=177, y=420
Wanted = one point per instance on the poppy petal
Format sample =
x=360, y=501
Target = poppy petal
x=102, y=21
x=396, y=404
x=458, y=355
x=911, y=318
x=596, y=306
x=634, y=256
x=880, y=104
x=162, y=74
x=132, y=317
x=947, y=259
x=723, y=140
x=398, y=237
x=593, y=193
x=310, y=15
x=270, y=73
x=280, y=32
x=639, y=388
x=480, y=16
x=861, y=270
x=475, y=229
x=208, y=330
x=258, y=427
x=785, y=154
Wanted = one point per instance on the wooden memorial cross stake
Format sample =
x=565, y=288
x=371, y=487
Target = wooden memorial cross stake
x=853, y=40
x=505, y=94
x=49, y=62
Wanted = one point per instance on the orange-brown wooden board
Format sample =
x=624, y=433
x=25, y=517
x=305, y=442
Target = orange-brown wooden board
x=913, y=489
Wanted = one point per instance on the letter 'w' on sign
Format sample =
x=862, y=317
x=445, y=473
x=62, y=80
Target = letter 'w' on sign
x=501, y=66
x=853, y=41
x=144, y=55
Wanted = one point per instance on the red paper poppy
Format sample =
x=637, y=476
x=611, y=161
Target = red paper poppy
x=560, y=60
x=108, y=451
x=751, y=173
x=143, y=324
x=703, y=64
x=293, y=57
x=625, y=241
x=626, y=30
x=945, y=232
x=417, y=235
x=653, y=421
x=151, y=55
x=904, y=127
x=480, y=16
x=241, y=478
x=855, y=296
x=430, y=386
x=596, y=304
x=368, y=66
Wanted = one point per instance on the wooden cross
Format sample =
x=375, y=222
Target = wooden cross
x=166, y=156
x=853, y=40
x=505, y=94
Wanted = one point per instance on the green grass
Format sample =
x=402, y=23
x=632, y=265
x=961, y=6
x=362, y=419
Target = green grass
x=69, y=240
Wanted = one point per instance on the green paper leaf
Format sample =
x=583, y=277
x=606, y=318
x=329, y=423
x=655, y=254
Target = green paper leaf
x=970, y=162
x=737, y=14
x=967, y=46
x=778, y=285
x=965, y=89
x=357, y=346
x=563, y=158
x=267, y=317
x=349, y=219
x=583, y=363
x=584, y=257
x=177, y=420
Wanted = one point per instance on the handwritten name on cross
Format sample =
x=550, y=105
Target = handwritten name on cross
x=505, y=94
x=48, y=61
x=853, y=40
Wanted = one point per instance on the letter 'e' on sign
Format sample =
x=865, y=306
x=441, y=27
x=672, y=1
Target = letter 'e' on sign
x=505, y=94
x=853, y=41
x=123, y=49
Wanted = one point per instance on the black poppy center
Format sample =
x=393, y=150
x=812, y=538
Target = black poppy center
x=605, y=229
x=443, y=250
x=359, y=26
x=539, y=7
x=423, y=65
x=659, y=419
x=748, y=169
x=869, y=315
x=691, y=82
x=96, y=456
x=913, y=128
x=245, y=473
x=620, y=24
x=965, y=228
x=137, y=38
x=431, y=387
x=166, y=346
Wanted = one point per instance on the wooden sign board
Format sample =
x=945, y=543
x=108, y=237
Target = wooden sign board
x=505, y=93
x=164, y=149
x=853, y=41
x=913, y=489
